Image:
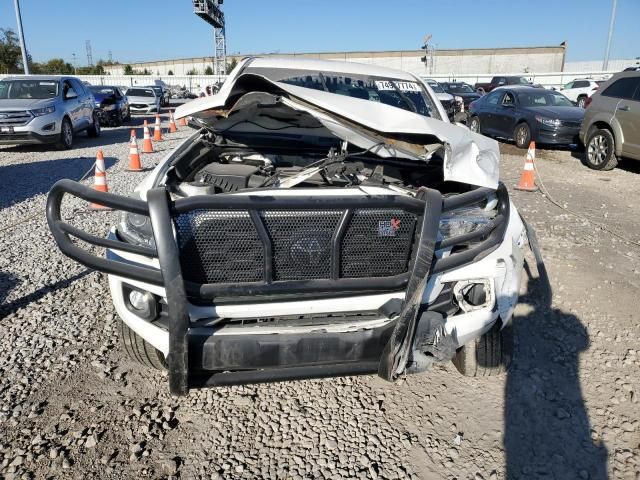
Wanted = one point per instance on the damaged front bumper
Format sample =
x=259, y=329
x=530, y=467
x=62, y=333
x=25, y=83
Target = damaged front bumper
x=378, y=318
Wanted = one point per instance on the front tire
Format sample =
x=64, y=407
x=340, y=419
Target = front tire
x=139, y=350
x=66, y=135
x=600, y=150
x=474, y=124
x=489, y=355
x=94, y=130
x=522, y=135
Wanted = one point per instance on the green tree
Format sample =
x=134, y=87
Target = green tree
x=128, y=70
x=145, y=72
x=193, y=71
x=170, y=72
x=231, y=65
x=208, y=71
x=57, y=66
x=10, y=54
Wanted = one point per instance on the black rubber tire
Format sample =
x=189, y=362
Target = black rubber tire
x=473, y=119
x=609, y=161
x=94, y=130
x=489, y=355
x=65, y=142
x=139, y=350
x=118, y=120
x=128, y=116
x=581, y=101
x=522, y=140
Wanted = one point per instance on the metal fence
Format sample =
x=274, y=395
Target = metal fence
x=547, y=79
x=194, y=83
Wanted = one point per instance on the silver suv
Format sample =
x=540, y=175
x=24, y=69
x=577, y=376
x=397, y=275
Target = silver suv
x=611, y=125
x=38, y=109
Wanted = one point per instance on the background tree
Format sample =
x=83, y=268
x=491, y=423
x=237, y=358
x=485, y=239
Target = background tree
x=208, y=71
x=10, y=54
x=128, y=70
x=170, y=72
x=231, y=65
x=193, y=71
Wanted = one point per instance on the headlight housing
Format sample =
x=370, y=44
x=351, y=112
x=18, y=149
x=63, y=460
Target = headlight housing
x=467, y=220
x=38, y=112
x=136, y=229
x=550, y=122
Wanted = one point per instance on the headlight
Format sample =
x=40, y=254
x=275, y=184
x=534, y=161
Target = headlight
x=551, y=122
x=43, y=111
x=109, y=107
x=466, y=220
x=136, y=229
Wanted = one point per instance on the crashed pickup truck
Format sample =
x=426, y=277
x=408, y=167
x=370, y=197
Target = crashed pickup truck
x=326, y=219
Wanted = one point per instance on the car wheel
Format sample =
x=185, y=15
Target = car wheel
x=66, y=135
x=139, y=350
x=600, y=150
x=489, y=355
x=522, y=135
x=581, y=102
x=119, y=120
x=474, y=124
x=128, y=117
x=94, y=130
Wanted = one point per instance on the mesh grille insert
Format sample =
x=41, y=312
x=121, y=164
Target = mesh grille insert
x=219, y=247
x=378, y=243
x=301, y=242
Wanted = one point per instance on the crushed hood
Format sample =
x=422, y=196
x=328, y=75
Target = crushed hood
x=469, y=158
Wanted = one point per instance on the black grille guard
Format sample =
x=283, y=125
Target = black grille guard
x=162, y=210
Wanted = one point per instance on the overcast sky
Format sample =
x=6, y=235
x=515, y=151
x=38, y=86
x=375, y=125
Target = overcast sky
x=164, y=29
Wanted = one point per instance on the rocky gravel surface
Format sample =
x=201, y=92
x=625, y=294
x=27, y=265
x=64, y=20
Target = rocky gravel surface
x=73, y=406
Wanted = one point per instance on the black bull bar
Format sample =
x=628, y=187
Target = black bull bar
x=161, y=209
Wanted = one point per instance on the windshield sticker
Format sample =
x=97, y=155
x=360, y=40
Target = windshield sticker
x=402, y=86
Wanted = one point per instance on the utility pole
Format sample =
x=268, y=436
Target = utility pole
x=23, y=46
x=89, y=53
x=605, y=64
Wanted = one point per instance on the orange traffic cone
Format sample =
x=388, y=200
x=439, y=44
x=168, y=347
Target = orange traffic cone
x=157, y=131
x=183, y=122
x=147, y=146
x=134, y=156
x=100, y=180
x=528, y=179
x=172, y=123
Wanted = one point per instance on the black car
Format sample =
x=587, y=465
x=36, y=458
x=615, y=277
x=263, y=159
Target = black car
x=462, y=90
x=522, y=114
x=112, y=106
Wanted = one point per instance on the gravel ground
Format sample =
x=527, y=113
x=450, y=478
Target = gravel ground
x=73, y=406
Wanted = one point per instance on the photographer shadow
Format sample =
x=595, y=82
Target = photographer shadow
x=547, y=428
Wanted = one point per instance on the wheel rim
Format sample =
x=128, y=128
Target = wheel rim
x=521, y=136
x=96, y=122
x=67, y=134
x=581, y=102
x=475, y=125
x=598, y=150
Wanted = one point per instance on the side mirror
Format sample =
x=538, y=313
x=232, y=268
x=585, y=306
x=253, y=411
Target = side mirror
x=70, y=95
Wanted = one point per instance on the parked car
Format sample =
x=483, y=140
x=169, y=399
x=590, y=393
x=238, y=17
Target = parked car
x=39, y=109
x=161, y=93
x=501, y=81
x=111, y=104
x=580, y=89
x=466, y=93
x=611, y=126
x=327, y=219
x=446, y=99
x=523, y=114
x=143, y=100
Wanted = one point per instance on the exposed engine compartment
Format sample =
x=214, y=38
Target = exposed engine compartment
x=211, y=169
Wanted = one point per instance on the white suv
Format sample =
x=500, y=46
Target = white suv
x=580, y=89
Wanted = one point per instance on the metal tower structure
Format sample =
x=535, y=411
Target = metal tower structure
x=211, y=12
x=89, y=53
x=429, y=55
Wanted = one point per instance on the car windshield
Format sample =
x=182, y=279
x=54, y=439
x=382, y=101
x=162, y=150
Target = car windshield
x=28, y=89
x=523, y=81
x=102, y=90
x=436, y=87
x=140, y=92
x=459, y=88
x=407, y=95
x=543, y=99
